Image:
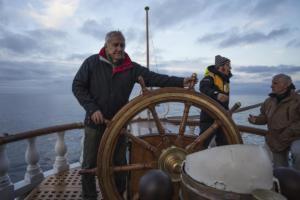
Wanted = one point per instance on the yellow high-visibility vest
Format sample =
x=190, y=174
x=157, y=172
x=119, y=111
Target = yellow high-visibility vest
x=218, y=81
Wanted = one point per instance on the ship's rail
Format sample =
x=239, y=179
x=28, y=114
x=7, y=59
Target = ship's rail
x=194, y=120
x=34, y=174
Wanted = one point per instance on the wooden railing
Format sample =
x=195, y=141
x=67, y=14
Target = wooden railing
x=34, y=174
x=193, y=121
x=8, y=138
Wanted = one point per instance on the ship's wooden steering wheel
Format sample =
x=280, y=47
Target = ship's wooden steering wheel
x=160, y=149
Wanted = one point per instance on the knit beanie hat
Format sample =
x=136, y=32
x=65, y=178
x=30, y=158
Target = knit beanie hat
x=220, y=61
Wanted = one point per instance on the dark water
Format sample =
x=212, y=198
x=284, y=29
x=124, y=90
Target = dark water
x=22, y=112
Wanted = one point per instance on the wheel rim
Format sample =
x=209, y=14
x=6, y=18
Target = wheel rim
x=105, y=169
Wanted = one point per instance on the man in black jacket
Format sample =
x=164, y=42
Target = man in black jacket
x=102, y=86
x=215, y=84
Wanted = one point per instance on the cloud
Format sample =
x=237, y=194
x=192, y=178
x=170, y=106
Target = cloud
x=98, y=30
x=3, y=15
x=235, y=38
x=269, y=69
x=18, y=43
x=79, y=57
x=261, y=74
x=52, y=14
x=38, y=77
x=37, y=41
x=95, y=29
x=173, y=12
x=211, y=37
x=252, y=88
x=266, y=7
x=183, y=67
x=25, y=70
x=257, y=79
x=293, y=43
x=251, y=38
x=255, y=9
x=132, y=34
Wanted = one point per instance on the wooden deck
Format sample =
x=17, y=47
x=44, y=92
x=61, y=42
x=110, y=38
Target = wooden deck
x=62, y=186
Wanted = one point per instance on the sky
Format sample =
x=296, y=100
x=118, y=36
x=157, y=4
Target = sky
x=43, y=43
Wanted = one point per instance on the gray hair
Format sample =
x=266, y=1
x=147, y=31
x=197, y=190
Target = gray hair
x=285, y=78
x=112, y=34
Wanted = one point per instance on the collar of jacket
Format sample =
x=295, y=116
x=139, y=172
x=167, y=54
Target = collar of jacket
x=281, y=97
x=213, y=70
x=125, y=65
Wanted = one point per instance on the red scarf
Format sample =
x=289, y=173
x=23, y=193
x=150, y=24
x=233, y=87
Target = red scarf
x=125, y=65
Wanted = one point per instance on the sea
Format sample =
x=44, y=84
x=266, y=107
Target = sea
x=23, y=112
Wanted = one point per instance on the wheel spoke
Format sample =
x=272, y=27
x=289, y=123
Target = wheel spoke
x=146, y=145
x=143, y=85
x=201, y=138
x=159, y=126
x=88, y=171
x=185, y=116
x=135, y=166
x=182, y=126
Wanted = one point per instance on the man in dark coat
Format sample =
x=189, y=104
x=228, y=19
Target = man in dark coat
x=102, y=86
x=215, y=84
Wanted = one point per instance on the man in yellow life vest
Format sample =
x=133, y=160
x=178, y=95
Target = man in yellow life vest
x=215, y=84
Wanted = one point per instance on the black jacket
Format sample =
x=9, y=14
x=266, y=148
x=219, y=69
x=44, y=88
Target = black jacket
x=97, y=88
x=208, y=87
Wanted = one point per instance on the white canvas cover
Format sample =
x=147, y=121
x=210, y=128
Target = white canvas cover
x=237, y=168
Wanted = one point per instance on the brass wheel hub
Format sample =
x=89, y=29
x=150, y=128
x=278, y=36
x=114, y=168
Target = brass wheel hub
x=170, y=161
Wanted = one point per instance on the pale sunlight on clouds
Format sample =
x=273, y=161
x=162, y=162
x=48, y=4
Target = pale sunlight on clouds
x=53, y=14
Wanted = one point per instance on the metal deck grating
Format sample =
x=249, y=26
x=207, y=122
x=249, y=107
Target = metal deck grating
x=62, y=186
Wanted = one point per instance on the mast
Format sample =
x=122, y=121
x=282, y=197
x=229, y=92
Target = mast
x=147, y=53
x=147, y=36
